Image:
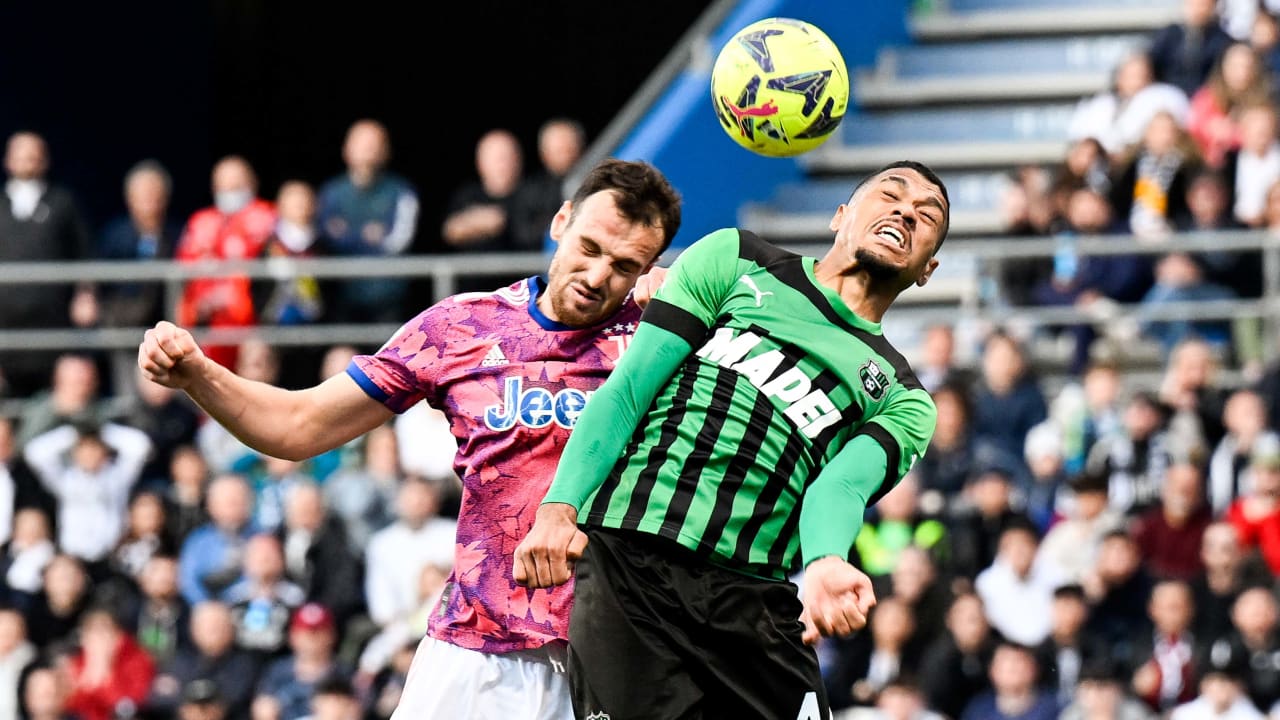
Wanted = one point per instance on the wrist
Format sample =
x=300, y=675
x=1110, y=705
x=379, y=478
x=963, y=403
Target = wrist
x=556, y=510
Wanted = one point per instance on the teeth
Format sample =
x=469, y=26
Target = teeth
x=892, y=233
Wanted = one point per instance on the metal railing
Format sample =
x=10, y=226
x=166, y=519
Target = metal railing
x=965, y=301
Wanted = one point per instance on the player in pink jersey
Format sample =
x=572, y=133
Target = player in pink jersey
x=512, y=369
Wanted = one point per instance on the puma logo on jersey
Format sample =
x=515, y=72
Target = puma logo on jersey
x=760, y=294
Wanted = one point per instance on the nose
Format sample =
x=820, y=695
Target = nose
x=907, y=212
x=597, y=273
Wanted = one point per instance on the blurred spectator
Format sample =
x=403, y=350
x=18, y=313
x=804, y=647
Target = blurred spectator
x=1069, y=649
x=159, y=618
x=264, y=599
x=1164, y=671
x=1228, y=572
x=235, y=227
x=1088, y=410
x=1047, y=469
x=146, y=535
x=318, y=555
x=1206, y=208
x=1169, y=535
x=210, y=559
x=1222, y=693
x=1134, y=462
x=16, y=654
x=427, y=445
x=1152, y=176
x=1101, y=695
x=73, y=395
x=1239, y=17
x=901, y=699
x=1118, y=588
x=202, y=700
x=1255, y=514
x=1190, y=388
x=273, y=480
x=895, y=522
x=1017, y=591
x=364, y=496
x=1252, y=168
x=290, y=299
x=397, y=553
x=1071, y=544
x=368, y=211
x=40, y=221
x=211, y=656
x=111, y=674
x=19, y=487
x=917, y=582
x=383, y=696
x=1256, y=637
x=975, y=529
x=1086, y=165
x=1264, y=36
x=1091, y=283
x=1184, y=52
x=950, y=458
x=335, y=699
x=1007, y=400
x=1178, y=279
x=26, y=554
x=937, y=364
x=168, y=417
x=1244, y=417
x=288, y=683
x=184, y=495
x=1118, y=116
x=858, y=668
x=479, y=212
x=379, y=653
x=1014, y=693
x=953, y=669
x=561, y=142
x=1237, y=81
x=145, y=231
x=90, y=469
x=56, y=609
x=44, y=694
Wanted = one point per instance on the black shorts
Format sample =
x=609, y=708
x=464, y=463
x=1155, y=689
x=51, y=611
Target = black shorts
x=657, y=633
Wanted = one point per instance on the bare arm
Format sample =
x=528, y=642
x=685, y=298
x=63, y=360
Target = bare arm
x=288, y=424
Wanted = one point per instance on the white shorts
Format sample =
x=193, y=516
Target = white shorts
x=446, y=681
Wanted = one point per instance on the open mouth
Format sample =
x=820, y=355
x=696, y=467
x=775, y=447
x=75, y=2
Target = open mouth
x=892, y=234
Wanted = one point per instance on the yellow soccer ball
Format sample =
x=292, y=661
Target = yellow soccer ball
x=780, y=87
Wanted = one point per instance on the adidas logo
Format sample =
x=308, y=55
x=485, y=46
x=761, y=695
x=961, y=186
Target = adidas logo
x=494, y=357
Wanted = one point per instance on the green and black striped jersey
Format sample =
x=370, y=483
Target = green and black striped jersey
x=782, y=376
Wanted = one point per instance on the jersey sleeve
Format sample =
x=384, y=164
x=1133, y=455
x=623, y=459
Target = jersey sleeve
x=404, y=371
x=903, y=429
x=700, y=279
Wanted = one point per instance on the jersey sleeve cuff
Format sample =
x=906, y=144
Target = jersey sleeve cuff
x=366, y=384
x=675, y=319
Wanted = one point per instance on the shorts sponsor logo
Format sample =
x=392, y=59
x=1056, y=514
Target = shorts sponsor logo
x=598, y=716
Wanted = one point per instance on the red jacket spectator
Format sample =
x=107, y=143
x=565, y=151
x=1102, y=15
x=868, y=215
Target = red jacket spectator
x=111, y=674
x=235, y=228
x=1256, y=515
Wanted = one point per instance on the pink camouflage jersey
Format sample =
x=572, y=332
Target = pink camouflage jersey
x=512, y=382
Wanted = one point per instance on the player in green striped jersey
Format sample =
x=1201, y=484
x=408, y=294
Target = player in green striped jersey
x=756, y=414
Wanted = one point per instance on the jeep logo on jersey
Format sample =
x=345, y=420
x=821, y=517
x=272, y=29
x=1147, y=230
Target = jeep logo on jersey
x=874, y=381
x=535, y=407
x=806, y=406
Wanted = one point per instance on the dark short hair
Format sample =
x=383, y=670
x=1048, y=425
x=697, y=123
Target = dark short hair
x=642, y=193
x=1070, y=591
x=928, y=174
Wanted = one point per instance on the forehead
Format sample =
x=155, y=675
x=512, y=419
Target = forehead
x=598, y=220
x=910, y=180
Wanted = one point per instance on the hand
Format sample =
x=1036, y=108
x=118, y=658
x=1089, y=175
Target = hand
x=546, y=555
x=648, y=284
x=837, y=597
x=170, y=356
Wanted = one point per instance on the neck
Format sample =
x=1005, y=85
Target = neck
x=867, y=297
x=1014, y=703
x=362, y=177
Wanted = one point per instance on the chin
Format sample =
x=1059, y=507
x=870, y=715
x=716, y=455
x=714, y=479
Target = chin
x=876, y=266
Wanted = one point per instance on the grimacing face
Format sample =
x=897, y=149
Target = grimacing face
x=892, y=226
x=599, y=256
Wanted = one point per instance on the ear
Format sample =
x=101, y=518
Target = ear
x=928, y=272
x=561, y=220
x=836, y=219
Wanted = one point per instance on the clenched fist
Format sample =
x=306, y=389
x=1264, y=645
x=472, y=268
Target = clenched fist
x=170, y=356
